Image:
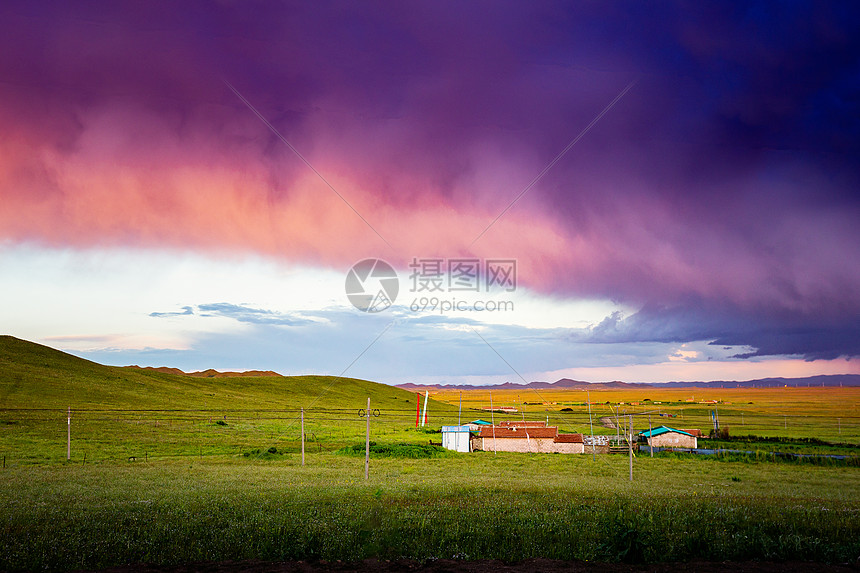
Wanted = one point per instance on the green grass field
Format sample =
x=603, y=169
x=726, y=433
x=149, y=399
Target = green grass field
x=119, y=413
x=459, y=506
x=154, y=477
x=831, y=414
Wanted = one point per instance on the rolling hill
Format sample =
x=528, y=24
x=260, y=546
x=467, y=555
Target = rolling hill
x=37, y=376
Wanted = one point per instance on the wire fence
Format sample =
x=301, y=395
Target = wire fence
x=35, y=435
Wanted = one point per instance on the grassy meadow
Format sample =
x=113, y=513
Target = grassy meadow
x=830, y=413
x=123, y=413
x=170, y=469
x=458, y=506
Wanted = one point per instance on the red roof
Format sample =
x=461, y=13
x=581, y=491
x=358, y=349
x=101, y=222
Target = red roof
x=526, y=423
x=568, y=439
x=697, y=433
x=522, y=433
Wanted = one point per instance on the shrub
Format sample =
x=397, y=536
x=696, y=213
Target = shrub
x=396, y=450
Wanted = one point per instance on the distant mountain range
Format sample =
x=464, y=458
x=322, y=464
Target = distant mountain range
x=205, y=373
x=564, y=383
x=567, y=383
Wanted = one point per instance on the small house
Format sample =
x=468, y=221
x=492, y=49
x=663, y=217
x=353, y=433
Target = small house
x=569, y=444
x=666, y=437
x=514, y=439
x=526, y=438
x=476, y=425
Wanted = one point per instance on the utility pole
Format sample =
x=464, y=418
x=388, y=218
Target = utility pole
x=303, y=436
x=650, y=436
x=493, y=422
x=367, y=443
x=630, y=446
x=590, y=423
x=69, y=437
x=460, y=410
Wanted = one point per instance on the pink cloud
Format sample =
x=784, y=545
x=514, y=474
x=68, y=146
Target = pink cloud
x=713, y=180
x=131, y=176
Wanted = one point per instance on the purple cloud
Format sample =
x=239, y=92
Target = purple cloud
x=728, y=176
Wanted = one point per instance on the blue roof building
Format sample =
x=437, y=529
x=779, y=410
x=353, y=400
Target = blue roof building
x=666, y=437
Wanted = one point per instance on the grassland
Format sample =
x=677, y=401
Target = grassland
x=179, y=469
x=122, y=413
x=830, y=414
x=460, y=506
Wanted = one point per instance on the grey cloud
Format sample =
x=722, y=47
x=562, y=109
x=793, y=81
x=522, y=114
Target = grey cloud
x=186, y=310
x=251, y=315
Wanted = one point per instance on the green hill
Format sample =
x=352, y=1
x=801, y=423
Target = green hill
x=121, y=413
x=36, y=376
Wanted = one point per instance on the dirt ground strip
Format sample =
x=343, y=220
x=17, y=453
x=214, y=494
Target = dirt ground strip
x=452, y=566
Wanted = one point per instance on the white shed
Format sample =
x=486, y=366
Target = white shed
x=456, y=438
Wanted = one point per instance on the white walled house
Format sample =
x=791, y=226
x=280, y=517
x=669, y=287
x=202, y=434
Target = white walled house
x=569, y=444
x=536, y=439
x=666, y=437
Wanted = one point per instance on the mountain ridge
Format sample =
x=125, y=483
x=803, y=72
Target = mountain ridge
x=209, y=373
x=823, y=380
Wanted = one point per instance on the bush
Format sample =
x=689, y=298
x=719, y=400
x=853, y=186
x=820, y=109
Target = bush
x=413, y=451
x=270, y=454
x=427, y=430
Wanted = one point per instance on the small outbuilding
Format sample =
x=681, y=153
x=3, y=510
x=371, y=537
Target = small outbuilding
x=666, y=437
x=569, y=444
x=456, y=438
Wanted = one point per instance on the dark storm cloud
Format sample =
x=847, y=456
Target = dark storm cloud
x=810, y=337
x=728, y=175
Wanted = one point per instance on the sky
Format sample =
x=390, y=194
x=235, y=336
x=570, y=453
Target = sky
x=592, y=190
